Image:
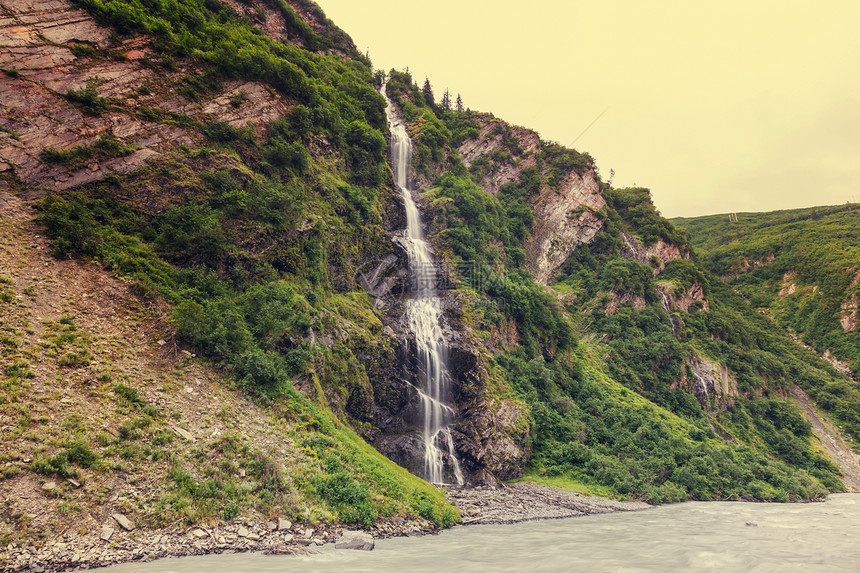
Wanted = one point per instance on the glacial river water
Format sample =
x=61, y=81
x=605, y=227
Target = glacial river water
x=715, y=536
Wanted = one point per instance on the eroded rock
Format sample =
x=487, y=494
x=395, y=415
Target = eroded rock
x=564, y=220
x=496, y=137
x=712, y=384
x=656, y=255
x=675, y=298
x=848, y=318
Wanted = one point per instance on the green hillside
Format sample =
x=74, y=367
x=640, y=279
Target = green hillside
x=583, y=429
x=632, y=371
x=801, y=266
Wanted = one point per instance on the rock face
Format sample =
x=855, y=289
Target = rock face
x=682, y=300
x=789, y=286
x=35, y=115
x=564, y=218
x=563, y=221
x=849, y=314
x=655, y=255
x=490, y=433
x=55, y=20
x=273, y=23
x=712, y=384
x=495, y=138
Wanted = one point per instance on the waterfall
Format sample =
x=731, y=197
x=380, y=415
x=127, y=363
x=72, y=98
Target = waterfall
x=423, y=313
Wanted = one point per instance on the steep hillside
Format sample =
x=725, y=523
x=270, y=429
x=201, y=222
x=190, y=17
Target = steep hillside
x=233, y=184
x=629, y=310
x=801, y=267
x=103, y=414
x=219, y=336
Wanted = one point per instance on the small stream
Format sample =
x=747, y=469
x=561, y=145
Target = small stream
x=697, y=536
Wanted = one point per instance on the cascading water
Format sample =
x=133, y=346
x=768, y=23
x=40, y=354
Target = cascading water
x=423, y=314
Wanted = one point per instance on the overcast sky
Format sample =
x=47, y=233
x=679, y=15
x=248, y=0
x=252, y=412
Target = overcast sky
x=716, y=107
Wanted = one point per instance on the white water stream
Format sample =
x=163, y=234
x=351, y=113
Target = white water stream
x=423, y=313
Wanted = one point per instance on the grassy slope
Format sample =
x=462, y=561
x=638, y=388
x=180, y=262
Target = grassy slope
x=817, y=250
x=89, y=392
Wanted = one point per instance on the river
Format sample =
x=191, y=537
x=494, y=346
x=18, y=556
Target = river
x=695, y=536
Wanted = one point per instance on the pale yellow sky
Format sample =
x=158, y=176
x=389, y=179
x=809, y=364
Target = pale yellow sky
x=729, y=106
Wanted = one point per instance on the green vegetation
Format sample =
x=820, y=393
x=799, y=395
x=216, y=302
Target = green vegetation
x=636, y=210
x=650, y=349
x=105, y=147
x=212, y=33
x=590, y=429
x=591, y=423
x=253, y=236
x=800, y=266
x=89, y=98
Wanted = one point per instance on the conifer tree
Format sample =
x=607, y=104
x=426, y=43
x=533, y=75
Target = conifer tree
x=459, y=103
x=428, y=93
x=446, y=101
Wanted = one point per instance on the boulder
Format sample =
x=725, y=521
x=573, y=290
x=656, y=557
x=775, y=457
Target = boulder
x=358, y=540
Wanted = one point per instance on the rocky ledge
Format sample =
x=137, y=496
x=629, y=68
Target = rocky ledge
x=512, y=503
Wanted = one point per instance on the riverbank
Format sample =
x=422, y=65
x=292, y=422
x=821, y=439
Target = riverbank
x=517, y=502
x=114, y=545
x=510, y=503
x=727, y=537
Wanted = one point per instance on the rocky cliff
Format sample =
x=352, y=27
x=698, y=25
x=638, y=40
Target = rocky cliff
x=504, y=150
x=565, y=217
x=655, y=255
x=69, y=85
x=711, y=383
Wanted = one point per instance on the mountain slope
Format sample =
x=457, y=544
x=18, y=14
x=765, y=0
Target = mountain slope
x=235, y=214
x=226, y=161
x=802, y=267
x=623, y=278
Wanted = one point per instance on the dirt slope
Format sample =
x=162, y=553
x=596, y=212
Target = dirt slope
x=832, y=441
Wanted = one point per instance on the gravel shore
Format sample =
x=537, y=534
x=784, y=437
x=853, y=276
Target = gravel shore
x=509, y=503
x=512, y=503
x=114, y=545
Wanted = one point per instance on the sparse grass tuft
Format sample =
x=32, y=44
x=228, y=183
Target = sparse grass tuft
x=89, y=98
x=106, y=147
